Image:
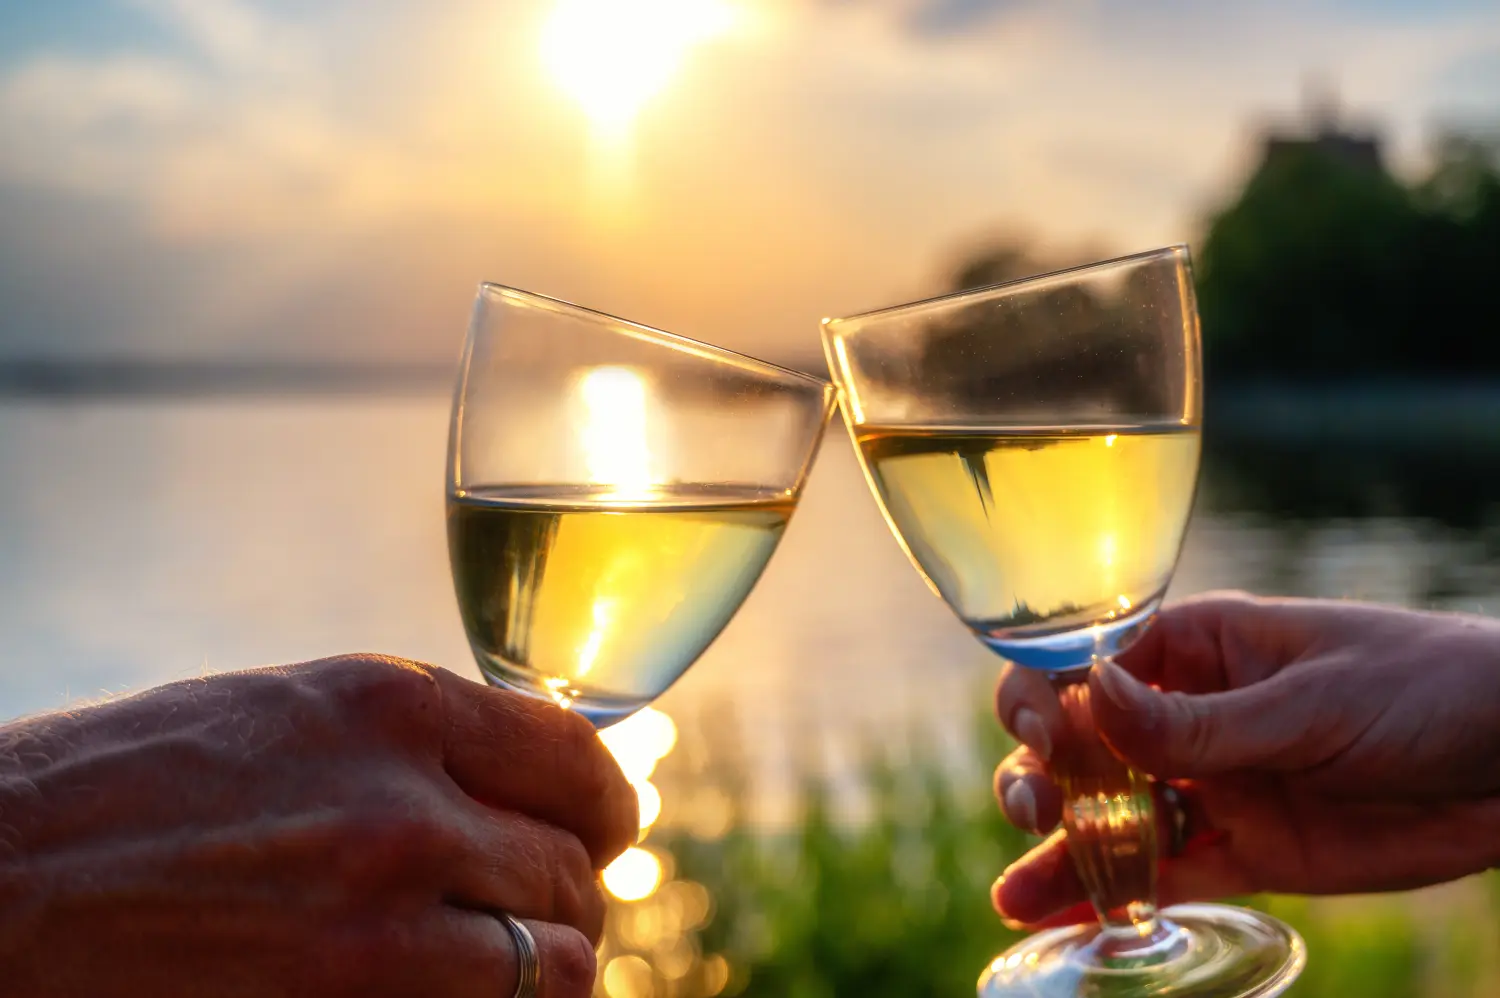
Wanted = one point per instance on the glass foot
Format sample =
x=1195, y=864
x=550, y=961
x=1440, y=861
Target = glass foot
x=1199, y=951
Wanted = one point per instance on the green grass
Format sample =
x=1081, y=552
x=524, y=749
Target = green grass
x=896, y=904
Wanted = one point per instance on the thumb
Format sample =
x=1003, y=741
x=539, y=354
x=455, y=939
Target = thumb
x=1172, y=734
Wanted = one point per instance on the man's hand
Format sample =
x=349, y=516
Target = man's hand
x=340, y=827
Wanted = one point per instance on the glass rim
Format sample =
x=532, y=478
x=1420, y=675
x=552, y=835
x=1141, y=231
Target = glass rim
x=663, y=337
x=951, y=297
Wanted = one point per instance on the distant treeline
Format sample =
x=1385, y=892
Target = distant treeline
x=1327, y=269
x=1323, y=270
x=62, y=379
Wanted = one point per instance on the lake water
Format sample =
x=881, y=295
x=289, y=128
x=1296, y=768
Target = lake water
x=147, y=541
x=151, y=540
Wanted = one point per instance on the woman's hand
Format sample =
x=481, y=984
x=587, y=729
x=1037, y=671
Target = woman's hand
x=341, y=827
x=1321, y=747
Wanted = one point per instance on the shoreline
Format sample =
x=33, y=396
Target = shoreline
x=1439, y=414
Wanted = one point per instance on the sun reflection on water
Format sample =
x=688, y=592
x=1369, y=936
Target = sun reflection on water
x=652, y=946
x=638, y=743
x=635, y=875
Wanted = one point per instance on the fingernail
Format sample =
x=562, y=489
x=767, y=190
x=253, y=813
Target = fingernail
x=1020, y=805
x=1032, y=732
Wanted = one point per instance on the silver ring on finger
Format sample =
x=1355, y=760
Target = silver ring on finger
x=528, y=963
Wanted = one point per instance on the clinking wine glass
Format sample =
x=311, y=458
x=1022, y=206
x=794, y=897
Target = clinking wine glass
x=614, y=492
x=1034, y=447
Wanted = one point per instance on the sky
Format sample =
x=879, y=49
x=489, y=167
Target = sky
x=236, y=179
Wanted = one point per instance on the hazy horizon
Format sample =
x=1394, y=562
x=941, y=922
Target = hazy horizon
x=204, y=179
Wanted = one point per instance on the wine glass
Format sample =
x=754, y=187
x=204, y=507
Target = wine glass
x=1034, y=447
x=614, y=492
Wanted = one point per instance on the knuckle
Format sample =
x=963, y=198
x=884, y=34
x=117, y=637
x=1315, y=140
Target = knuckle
x=395, y=829
x=583, y=756
x=596, y=911
x=569, y=965
x=1227, y=596
x=1195, y=732
x=389, y=693
x=574, y=898
x=1220, y=599
x=252, y=710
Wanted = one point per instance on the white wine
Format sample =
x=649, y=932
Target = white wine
x=1036, y=536
x=600, y=603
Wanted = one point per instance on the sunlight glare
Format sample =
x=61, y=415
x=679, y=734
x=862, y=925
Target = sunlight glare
x=1107, y=550
x=649, y=800
x=640, y=741
x=615, y=448
x=634, y=876
x=588, y=653
x=612, y=56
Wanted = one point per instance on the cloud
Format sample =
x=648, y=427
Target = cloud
x=231, y=34
x=338, y=176
x=91, y=127
x=947, y=17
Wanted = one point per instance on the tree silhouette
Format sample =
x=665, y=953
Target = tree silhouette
x=1326, y=270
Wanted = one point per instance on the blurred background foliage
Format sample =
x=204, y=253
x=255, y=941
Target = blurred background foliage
x=1326, y=267
x=881, y=890
x=1329, y=268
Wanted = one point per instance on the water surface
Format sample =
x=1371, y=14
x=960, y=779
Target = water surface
x=142, y=541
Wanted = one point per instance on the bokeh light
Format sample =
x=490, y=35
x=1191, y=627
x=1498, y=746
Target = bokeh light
x=650, y=803
x=627, y=977
x=676, y=959
x=708, y=815
x=715, y=975
x=633, y=876
x=640, y=741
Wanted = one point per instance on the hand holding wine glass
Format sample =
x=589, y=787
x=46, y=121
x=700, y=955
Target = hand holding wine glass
x=1034, y=447
x=614, y=493
x=351, y=826
x=1320, y=747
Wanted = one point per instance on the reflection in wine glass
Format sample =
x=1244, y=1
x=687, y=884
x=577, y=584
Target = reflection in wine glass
x=614, y=439
x=614, y=492
x=1034, y=447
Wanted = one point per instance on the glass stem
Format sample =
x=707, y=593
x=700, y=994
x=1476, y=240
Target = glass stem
x=1111, y=830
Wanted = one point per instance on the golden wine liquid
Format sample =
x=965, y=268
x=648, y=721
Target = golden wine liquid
x=1036, y=537
x=601, y=603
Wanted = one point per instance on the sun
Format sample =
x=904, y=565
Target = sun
x=612, y=56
